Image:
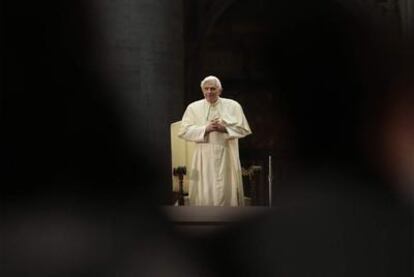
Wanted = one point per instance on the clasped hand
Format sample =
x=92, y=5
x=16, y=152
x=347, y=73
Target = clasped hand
x=216, y=126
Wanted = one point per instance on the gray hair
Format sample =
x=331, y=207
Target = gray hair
x=212, y=78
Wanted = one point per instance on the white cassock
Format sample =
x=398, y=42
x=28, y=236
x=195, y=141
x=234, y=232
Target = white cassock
x=215, y=175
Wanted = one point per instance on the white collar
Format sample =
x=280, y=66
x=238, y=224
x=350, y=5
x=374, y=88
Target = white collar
x=213, y=104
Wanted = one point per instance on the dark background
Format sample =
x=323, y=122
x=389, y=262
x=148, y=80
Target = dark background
x=89, y=91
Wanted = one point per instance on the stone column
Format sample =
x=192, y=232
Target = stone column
x=407, y=18
x=142, y=51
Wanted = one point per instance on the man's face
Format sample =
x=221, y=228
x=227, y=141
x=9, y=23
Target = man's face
x=211, y=91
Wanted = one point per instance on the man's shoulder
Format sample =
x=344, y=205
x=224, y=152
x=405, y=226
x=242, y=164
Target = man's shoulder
x=228, y=101
x=196, y=104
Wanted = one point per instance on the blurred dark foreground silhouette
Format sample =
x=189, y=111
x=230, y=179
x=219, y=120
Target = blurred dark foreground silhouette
x=72, y=207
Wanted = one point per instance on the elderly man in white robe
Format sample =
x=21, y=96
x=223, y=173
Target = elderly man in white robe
x=215, y=124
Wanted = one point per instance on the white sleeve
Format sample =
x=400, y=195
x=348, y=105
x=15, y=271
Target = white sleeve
x=189, y=130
